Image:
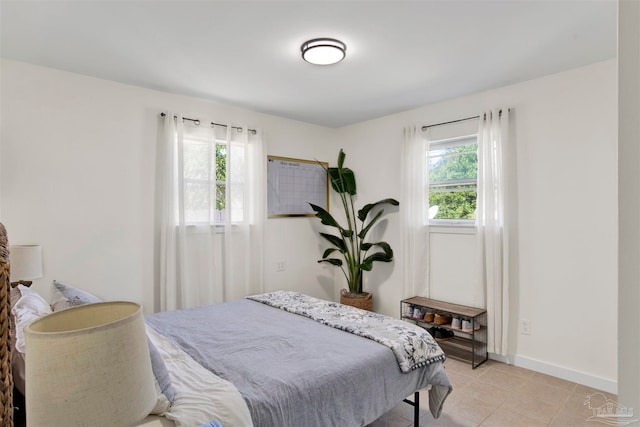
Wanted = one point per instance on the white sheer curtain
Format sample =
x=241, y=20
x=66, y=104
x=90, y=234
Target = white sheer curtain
x=493, y=232
x=414, y=204
x=210, y=213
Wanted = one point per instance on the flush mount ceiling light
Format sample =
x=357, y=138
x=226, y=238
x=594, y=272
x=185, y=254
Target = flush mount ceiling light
x=323, y=51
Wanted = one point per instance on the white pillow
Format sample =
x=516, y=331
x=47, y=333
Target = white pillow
x=65, y=296
x=30, y=307
x=17, y=358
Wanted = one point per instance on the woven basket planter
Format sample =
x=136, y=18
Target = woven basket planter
x=363, y=300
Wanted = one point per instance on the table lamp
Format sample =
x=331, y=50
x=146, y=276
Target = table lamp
x=89, y=366
x=26, y=264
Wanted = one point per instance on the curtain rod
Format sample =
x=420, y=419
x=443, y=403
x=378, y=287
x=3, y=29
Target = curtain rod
x=197, y=123
x=459, y=120
x=447, y=123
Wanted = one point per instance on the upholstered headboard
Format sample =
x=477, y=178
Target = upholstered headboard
x=6, y=378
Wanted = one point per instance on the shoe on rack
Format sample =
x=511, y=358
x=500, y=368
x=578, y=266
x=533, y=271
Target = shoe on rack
x=441, y=319
x=444, y=334
x=467, y=326
x=456, y=323
x=428, y=316
x=432, y=331
x=409, y=312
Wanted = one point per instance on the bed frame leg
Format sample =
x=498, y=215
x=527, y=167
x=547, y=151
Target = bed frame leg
x=416, y=408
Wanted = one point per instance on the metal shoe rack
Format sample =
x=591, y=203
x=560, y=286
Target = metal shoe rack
x=469, y=346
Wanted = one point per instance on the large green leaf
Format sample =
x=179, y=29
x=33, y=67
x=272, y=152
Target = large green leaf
x=346, y=233
x=329, y=252
x=341, y=157
x=362, y=213
x=332, y=261
x=325, y=217
x=365, y=230
x=386, y=248
x=367, y=264
x=382, y=245
x=365, y=246
x=335, y=241
x=343, y=180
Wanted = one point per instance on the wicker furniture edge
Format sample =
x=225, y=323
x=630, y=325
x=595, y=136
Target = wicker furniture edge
x=6, y=377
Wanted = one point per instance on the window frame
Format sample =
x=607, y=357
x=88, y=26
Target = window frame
x=453, y=225
x=212, y=182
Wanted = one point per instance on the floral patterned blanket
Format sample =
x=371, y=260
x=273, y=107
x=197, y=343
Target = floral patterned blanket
x=412, y=345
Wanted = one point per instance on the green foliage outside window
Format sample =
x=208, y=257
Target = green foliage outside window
x=221, y=176
x=200, y=181
x=453, y=171
x=454, y=205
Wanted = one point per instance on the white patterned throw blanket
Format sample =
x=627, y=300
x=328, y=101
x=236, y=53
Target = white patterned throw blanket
x=412, y=345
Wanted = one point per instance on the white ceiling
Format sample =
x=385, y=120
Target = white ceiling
x=400, y=55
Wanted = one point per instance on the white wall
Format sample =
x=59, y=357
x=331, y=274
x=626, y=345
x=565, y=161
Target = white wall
x=629, y=203
x=77, y=177
x=564, y=274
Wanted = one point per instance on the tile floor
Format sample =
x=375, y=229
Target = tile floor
x=497, y=395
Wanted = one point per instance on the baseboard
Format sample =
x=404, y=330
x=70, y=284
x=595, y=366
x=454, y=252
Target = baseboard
x=559, y=372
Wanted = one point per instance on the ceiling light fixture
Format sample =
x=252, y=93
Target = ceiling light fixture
x=323, y=51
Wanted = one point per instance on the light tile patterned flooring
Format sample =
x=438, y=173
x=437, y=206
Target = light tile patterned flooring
x=497, y=395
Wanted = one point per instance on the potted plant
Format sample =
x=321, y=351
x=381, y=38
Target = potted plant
x=356, y=254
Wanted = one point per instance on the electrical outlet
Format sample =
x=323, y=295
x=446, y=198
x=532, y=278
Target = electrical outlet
x=525, y=327
x=281, y=265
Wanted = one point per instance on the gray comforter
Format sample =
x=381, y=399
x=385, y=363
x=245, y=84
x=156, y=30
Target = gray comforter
x=293, y=371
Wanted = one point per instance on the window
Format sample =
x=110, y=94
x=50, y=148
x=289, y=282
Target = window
x=453, y=176
x=211, y=186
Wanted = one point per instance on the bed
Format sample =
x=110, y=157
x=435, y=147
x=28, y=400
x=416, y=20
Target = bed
x=258, y=361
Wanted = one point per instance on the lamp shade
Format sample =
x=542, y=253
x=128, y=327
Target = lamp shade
x=89, y=366
x=26, y=262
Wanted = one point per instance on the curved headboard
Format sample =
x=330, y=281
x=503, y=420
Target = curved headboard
x=6, y=377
